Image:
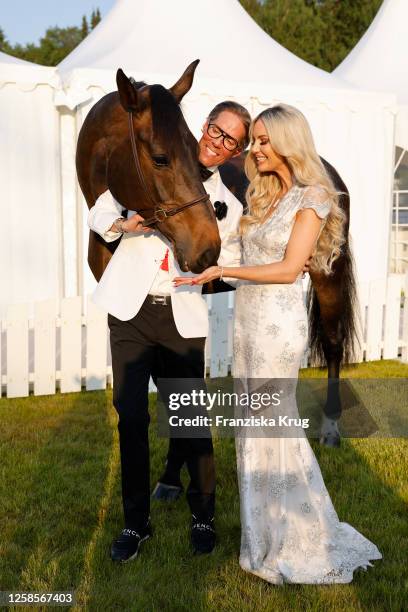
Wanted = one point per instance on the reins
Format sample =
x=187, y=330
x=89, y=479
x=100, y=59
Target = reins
x=159, y=213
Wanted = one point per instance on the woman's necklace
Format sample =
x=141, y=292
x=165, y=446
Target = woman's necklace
x=273, y=205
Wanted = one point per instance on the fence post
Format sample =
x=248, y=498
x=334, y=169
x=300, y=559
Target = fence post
x=375, y=319
x=17, y=351
x=392, y=316
x=96, y=347
x=45, y=322
x=71, y=340
x=405, y=322
x=362, y=296
x=1, y=355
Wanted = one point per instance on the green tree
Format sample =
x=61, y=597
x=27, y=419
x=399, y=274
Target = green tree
x=346, y=22
x=55, y=45
x=84, y=27
x=297, y=26
x=95, y=18
x=254, y=8
x=4, y=44
x=322, y=32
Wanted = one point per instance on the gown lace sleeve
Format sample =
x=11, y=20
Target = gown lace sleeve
x=316, y=197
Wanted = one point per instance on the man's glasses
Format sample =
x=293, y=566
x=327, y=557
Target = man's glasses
x=228, y=141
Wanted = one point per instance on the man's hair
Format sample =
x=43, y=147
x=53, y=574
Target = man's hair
x=237, y=109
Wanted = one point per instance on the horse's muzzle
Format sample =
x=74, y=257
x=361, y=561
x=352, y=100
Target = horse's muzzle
x=192, y=262
x=207, y=259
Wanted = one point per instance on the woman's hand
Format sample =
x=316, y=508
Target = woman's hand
x=205, y=277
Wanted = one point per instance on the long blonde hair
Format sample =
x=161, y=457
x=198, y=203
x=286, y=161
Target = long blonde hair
x=290, y=136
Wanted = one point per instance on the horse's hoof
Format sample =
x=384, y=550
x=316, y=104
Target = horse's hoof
x=331, y=440
x=165, y=492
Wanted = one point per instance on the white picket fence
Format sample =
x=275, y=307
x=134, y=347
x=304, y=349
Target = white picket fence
x=64, y=345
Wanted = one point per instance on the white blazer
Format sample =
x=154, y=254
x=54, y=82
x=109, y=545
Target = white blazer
x=129, y=274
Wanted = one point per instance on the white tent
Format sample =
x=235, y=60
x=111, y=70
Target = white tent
x=30, y=252
x=154, y=40
x=379, y=61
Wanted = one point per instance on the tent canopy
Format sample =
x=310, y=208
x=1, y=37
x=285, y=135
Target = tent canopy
x=159, y=37
x=379, y=61
x=24, y=74
x=154, y=40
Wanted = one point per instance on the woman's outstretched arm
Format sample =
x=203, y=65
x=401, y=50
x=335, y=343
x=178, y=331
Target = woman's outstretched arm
x=301, y=245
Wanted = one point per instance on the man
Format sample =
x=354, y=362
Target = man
x=157, y=329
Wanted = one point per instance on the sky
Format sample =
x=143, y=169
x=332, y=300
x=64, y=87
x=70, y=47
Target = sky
x=26, y=20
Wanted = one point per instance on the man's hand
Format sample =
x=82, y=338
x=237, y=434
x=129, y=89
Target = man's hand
x=133, y=224
x=306, y=267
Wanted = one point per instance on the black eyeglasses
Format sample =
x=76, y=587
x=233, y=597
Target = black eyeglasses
x=228, y=141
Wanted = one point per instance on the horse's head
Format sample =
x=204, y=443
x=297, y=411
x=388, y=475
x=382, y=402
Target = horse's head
x=161, y=174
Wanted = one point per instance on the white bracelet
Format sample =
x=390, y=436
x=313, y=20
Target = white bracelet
x=222, y=272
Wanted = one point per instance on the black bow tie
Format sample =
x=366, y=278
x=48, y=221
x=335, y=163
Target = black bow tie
x=205, y=173
x=220, y=210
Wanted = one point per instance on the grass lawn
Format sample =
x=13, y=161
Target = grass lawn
x=60, y=508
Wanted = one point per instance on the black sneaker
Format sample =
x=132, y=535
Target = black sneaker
x=126, y=546
x=202, y=535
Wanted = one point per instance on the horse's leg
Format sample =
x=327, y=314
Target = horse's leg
x=327, y=338
x=169, y=486
x=332, y=304
x=332, y=344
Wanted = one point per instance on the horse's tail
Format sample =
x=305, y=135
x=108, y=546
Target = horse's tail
x=348, y=316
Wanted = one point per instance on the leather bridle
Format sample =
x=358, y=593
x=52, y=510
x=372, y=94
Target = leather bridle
x=159, y=213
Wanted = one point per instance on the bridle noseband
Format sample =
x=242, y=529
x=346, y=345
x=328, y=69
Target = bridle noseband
x=159, y=213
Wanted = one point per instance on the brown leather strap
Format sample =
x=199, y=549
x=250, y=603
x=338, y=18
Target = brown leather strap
x=137, y=161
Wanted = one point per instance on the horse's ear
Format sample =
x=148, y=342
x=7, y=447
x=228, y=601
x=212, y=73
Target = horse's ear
x=185, y=82
x=127, y=92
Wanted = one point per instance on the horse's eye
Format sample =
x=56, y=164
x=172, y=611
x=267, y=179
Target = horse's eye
x=160, y=160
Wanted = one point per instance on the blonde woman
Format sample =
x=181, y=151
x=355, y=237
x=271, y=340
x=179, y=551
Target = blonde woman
x=290, y=529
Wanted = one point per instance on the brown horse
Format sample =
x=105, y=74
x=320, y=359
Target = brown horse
x=136, y=143
x=331, y=300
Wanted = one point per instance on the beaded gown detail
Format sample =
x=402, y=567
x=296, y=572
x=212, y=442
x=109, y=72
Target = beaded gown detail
x=290, y=529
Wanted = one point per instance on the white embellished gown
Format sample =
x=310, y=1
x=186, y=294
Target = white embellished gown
x=290, y=529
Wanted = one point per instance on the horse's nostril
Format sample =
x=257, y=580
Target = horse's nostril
x=207, y=259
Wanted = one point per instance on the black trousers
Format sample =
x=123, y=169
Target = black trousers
x=150, y=344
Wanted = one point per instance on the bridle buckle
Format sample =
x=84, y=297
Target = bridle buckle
x=160, y=215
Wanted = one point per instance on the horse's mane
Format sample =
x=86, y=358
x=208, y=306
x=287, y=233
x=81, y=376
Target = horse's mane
x=166, y=115
x=137, y=84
